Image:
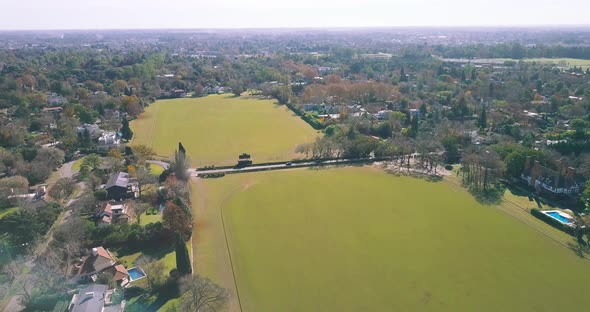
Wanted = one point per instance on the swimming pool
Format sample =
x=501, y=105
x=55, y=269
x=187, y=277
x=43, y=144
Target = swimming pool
x=559, y=216
x=136, y=273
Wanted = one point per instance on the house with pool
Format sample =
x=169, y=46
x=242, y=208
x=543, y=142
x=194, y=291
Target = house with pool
x=102, y=261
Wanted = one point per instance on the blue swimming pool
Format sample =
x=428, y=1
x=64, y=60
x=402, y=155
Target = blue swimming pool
x=558, y=216
x=136, y=273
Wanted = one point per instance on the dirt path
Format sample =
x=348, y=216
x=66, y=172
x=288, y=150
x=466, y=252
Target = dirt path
x=210, y=252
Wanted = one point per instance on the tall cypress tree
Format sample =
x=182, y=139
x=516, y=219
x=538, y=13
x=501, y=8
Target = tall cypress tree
x=483, y=118
x=402, y=75
x=126, y=132
x=183, y=261
x=181, y=149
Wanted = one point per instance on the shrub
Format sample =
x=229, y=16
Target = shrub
x=133, y=235
x=101, y=194
x=449, y=167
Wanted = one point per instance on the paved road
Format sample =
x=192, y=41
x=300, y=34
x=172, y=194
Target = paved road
x=66, y=170
x=285, y=165
x=160, y=163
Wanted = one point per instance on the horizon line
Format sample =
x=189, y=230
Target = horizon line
x=506, y=26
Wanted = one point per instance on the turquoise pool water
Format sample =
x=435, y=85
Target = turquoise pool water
x=556, y=215
x=136, y=273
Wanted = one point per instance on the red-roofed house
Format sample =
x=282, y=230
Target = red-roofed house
x=120, y=274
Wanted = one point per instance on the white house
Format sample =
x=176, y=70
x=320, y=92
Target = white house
x=109, y=138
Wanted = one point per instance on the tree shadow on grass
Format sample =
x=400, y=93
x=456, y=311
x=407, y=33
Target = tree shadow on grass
x=491, y=196
x=156, y=251
x=149, y=302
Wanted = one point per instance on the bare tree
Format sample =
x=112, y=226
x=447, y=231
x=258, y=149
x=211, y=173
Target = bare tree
x=84, y=204
x=200, y=294
x=21, y=279
x=144, y=177
x=48, y=268
x=154, y=271
x=62, y=188
x=69, y=240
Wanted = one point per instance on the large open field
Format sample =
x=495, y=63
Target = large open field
x=358, y=239
x=564, y=62
x=217, y=128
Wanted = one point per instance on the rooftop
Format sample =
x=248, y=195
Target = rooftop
x=120, y=179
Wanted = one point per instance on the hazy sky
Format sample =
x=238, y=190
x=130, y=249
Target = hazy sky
x=108, y=14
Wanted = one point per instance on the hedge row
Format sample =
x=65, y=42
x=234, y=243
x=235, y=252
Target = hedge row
x=130, y=235
x=313, y=122
x=554, y=223
x=211, y=175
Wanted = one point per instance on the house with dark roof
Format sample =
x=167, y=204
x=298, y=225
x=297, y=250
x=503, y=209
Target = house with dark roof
x=100, y=259
x=120, y=186
x=554, y=181
x=94, y=298
x=178, y=93
x=92, y=129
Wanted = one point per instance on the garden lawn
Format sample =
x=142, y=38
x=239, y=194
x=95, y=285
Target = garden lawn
x=77, y=164
x=358, y=239
x=162, y=302
x=156, y=169
x=150, y=218
x=217, y=128
x=7, y=211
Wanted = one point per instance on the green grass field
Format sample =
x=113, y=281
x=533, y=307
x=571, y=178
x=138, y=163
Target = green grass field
x=217, y=128
x=565, y=62
x=358, y=239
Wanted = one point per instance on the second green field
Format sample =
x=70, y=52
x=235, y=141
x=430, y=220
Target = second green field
x=216, y=129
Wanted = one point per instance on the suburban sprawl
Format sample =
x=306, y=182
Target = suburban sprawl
x=428, y=169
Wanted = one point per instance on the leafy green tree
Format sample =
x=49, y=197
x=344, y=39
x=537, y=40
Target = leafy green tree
x=451, y=146
x=92, y=161
x=183, y=261
x=106, y=278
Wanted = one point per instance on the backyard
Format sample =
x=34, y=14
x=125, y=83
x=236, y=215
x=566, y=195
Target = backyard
x=358, y=239
x=217, y=128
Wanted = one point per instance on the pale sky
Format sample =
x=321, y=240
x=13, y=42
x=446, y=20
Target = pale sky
x=138, y=14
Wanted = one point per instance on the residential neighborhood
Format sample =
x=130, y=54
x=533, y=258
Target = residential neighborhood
x=307, y=156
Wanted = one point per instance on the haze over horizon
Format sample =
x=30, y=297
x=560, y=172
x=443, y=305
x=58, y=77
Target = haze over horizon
x=184, y=14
